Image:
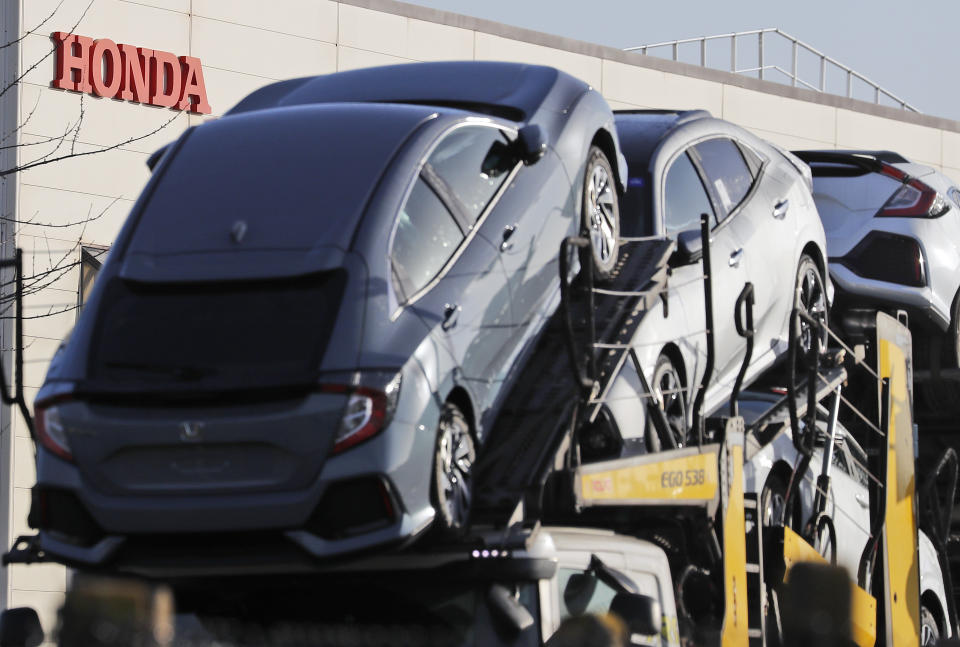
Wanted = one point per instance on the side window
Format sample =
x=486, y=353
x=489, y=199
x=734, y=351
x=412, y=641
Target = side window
x=91, y=259
x=754, y=161
x=727, y=173
x=463, y=163
x=427, y=236
x=582, y=593
x=684, y=197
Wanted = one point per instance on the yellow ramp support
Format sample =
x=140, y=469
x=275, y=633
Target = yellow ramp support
x=900, y=555
x=735, y=630
x=863, y=606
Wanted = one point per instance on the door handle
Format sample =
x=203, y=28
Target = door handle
x=508, y=231
x=780, y=209
x=451, y=312
x=735, y=258
x=863, y=502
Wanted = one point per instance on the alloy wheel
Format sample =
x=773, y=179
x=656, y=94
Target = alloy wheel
x=601, y=203
x=812, y=299
x=454, y=461
x=669, y=391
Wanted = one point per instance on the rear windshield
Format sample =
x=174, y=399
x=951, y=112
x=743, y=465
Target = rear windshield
x=288, y=178
x=214, y=336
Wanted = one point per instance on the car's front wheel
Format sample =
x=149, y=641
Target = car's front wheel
x=601, y=214
x=453, y=462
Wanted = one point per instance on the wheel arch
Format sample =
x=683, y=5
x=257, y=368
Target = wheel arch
x=603, y=140
x=672, y=351
x=459, y=397
x=812, y=250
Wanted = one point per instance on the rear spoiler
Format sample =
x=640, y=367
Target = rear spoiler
x=872, y=161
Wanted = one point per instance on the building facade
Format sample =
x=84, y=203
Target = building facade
x=73, y=148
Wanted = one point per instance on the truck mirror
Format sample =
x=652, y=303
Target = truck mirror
x=512, y=617
x=689, y=248
x=639, y=612
x=20, y=627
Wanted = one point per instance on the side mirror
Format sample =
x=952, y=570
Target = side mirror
x=639, y=612
x=20, y=627
x=689, y=248
x=531, y=144
x=155, y=157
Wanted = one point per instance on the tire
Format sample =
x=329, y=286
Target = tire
x=929, y=630
x=941, y=394
x=952, y=341
x=453, y=460
x=810, y=295
x=773, y=499
x=600, y=219
x=669, y=388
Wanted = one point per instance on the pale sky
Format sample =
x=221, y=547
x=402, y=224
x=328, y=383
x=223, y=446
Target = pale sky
x=911, y=49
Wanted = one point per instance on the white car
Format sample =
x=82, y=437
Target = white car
x=768, y=472
x=893, y=241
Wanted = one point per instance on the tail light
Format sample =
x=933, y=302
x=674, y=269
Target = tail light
x=914, y=199
x=369, y=409
x=51, y=432
x=888, y=257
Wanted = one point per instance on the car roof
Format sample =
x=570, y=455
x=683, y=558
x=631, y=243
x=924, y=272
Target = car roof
x=641, y=131
x=510, y=90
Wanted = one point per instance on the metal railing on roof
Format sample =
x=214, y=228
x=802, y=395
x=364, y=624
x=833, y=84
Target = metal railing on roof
x=763, y=66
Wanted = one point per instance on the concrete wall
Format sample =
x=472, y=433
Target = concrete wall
x=245, y=44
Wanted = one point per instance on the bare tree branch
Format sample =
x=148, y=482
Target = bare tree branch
x=42, y=161
x=35, y=29
x=67, y=224
x=46, y=56
x=23, y=123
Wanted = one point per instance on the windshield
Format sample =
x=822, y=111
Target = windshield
x=408, y=608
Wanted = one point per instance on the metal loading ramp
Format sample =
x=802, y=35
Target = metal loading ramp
x=532, y=427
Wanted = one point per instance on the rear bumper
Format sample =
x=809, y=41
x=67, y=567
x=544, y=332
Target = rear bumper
x=855, y=291
x=194, y=554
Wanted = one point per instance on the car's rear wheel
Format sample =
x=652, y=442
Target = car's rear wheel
x=453, y=462
x=670, y=391
x=929, y=630
x=811, y=297
x=601, y=214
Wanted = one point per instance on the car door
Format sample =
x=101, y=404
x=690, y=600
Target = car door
x=735, y=241
x=685, y=198
x=527, y=224
x=851, y=492
x=452, y=278
x=781, y=202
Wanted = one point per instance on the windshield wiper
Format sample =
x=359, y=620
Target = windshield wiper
x=182, y=372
